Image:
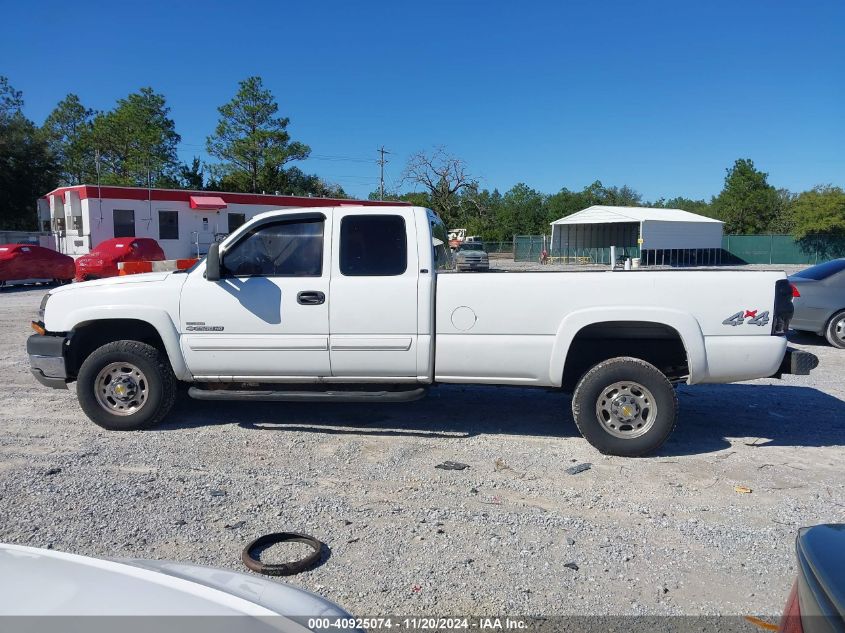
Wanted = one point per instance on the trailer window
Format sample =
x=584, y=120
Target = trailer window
x=168, y=225
x=235, y=221
x=373, y=246
x=124, y=223
x=282, y=249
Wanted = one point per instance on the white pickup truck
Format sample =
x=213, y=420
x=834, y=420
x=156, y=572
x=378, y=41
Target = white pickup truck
x=358, y=304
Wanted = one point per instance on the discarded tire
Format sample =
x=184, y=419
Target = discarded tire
x=282, y=569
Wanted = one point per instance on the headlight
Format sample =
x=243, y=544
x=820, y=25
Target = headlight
x=43, y=306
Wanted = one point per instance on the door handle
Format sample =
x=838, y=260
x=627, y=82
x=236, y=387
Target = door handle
x=311, y=298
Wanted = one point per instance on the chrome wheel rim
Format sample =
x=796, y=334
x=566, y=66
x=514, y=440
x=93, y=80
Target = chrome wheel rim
x=626, y=409
x=121, y=389
x=839, y=330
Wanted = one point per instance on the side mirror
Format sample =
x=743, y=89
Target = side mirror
x=212, y=263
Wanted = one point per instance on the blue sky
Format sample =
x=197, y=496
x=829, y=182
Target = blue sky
x=662, y=96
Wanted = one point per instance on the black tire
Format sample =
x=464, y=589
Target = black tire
x=159, y=384
x=835, y=330
x=591, y=388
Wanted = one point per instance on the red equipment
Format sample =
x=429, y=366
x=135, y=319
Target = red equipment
x=19, y=262
x=103, y=260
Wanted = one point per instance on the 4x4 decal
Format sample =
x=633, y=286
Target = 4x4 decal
x=752, y=316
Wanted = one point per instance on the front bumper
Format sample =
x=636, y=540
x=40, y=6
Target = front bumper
x=47, y=359
x=473, y=266
x=797, y=362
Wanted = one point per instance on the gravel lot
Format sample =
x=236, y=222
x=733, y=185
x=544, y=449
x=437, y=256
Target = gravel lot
x=662, y=535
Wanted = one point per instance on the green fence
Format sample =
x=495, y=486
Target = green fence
x=783, y=249
x=499, y=248
x=749, y=249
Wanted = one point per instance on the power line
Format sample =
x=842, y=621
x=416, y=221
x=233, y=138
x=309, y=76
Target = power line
x=325, y=157
x=348, y=159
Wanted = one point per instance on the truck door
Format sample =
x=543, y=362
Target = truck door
x=268, y=315
x=373, y=307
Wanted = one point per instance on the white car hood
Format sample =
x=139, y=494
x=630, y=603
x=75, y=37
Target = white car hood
x=115, y=281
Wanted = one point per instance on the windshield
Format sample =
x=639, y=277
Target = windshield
x=472, y=246
x=822, y=271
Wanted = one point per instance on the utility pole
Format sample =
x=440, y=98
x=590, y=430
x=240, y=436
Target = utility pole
x=381, y=161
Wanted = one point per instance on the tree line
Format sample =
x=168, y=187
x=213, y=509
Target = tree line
x=747, y=203
x=135, y=144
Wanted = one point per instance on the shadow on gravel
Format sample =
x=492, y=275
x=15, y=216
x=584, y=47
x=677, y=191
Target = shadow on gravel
x=772, y=415
x=6, y=290
x=448, y=411
x=808, y=338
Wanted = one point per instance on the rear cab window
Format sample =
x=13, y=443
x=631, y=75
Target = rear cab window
x=373, y=246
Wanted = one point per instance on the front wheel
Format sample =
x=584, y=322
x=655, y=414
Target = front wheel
x=126, y=386
x=625, y=406
x=835, y=332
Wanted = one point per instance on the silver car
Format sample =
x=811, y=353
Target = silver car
x=472, y=256
x=819, y=300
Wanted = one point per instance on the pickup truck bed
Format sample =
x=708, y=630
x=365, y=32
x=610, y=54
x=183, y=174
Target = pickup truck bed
x=478, y=341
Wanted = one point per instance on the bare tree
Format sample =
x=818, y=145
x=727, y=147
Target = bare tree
x=444, y=176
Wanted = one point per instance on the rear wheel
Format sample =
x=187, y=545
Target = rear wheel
x=835, y=332
x=126, y=386
x=625, y=406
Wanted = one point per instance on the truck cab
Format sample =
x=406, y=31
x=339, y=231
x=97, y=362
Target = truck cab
x=332, y=295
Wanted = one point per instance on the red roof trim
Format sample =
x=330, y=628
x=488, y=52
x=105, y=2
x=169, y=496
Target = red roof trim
x=184, y=195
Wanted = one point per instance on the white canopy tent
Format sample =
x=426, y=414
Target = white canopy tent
x=656, y=235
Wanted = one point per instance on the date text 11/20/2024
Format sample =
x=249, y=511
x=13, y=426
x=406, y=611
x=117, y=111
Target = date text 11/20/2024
x=419, y=623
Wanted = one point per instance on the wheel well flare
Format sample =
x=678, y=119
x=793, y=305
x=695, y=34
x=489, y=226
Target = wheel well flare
x=92, y=335
x=655, y=343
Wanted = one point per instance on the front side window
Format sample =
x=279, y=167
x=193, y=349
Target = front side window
x=373, y=246
x=124, y=223
x=168, y=225
x=282, y=249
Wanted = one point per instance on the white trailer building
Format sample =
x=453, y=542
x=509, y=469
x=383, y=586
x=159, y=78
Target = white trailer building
x=183, y=222
x=657, y=236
